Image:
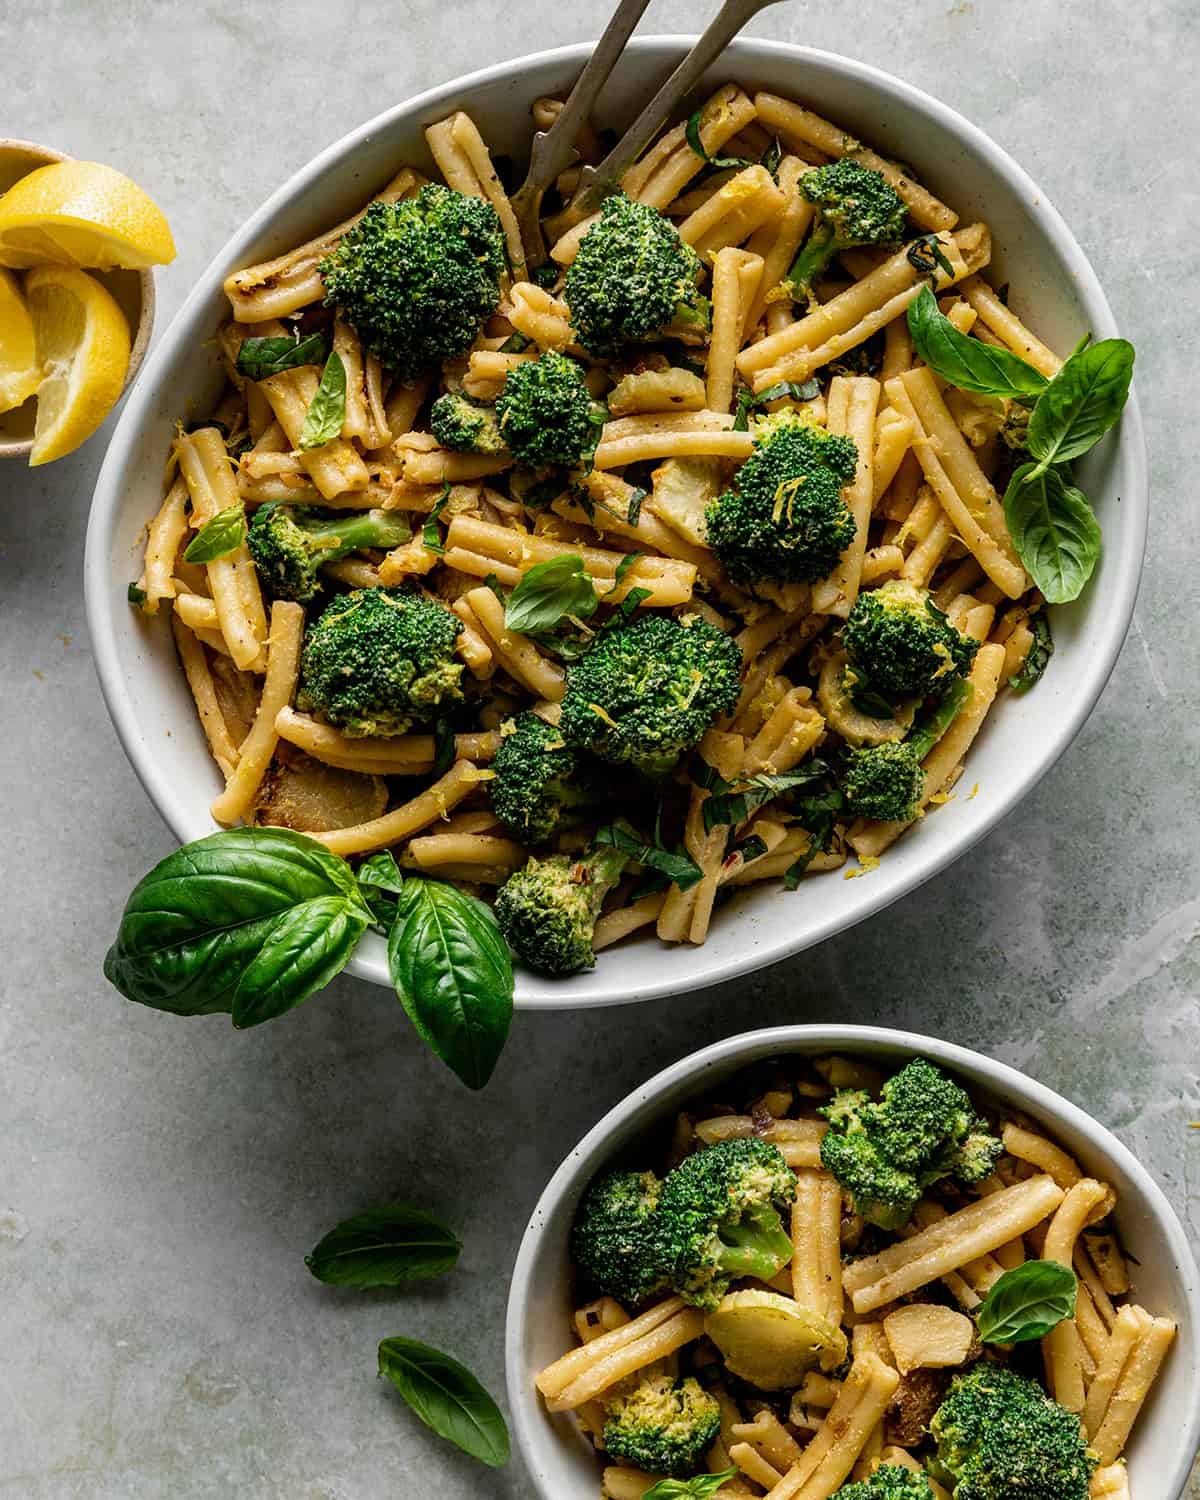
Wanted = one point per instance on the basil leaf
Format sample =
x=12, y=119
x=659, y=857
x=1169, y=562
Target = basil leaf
x=136, y=595
x=708, y=777
x=447, y=1398
x=225, y=533
x=735, y=805
x=679, y=868
x=623, y=567
x=549, y=591
x=926, y=257
x=966, y=362
x=713, y=163
x=453, y=973
x=380, y=880
x=634, y=512
x=384, y=1247
x=1027, y=1302
x=443, y=747
x=747, y=400
x=1082, y=402
x=258, y=358
x=816, y=815
x=327, y=410
x=1038, y=657
x=700, y=1487
x=1054, y=531
x=515, y=343
x=221, y=926
x=771, y=158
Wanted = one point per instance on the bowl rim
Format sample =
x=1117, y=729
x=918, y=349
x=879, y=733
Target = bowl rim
x=140, y=336
x=369, y=960
x=1000, y=1078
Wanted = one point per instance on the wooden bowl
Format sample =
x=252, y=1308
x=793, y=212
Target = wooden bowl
x=134, y=291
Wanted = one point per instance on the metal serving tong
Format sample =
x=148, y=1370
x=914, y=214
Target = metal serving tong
x=554, y=150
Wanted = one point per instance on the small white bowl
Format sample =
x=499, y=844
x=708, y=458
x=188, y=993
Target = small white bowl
x=1035, y=251
x=561, y=1461
x=133, y=290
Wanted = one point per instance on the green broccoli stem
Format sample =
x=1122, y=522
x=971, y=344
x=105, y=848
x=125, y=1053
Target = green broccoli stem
x=818, y=250
x=756, y=1246
x=372, y=528
x=933, y=725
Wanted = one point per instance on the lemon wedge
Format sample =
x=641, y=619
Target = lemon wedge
x=81, y=213
x=19, y=373
x=82, y=343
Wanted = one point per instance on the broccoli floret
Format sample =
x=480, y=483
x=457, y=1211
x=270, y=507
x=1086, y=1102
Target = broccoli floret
x=465, y=426
x=661, y=1425
x=1000, y=1435
x=924, y=1127
x=898, y=639
x=888, y=1482
x=377, y=661
x=547, y=910
x=855, y=206
x=786, y=519
x=545, y=411
x=290, y=543
x=634, y=278
x=883, y=781
x=646, y=692
x=417, y=278
x=610, y=1240
x=538, y=781
x=719, y=1218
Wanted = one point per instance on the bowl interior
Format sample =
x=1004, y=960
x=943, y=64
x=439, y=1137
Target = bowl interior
x=1050, y=279
x=561, y=1460
x=133, y=291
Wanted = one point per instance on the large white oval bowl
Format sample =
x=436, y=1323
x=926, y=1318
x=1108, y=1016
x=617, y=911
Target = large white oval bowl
x=562, y=1463
x=1053, y=284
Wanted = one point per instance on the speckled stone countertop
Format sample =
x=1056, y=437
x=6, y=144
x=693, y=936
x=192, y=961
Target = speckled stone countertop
x=159, y=1183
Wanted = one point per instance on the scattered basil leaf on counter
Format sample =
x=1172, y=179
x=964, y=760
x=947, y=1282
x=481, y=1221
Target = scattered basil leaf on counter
x=1082, y=402
x=385, y=1247
x=968, y=363
x=248, y=922
x=447, y=1398
x=679, y=868
x=259, y=358
x=736, y=804
x=548, y=592
x=225, y=533
x=453, y=973
x=712, y=163
x=327, y=410
x=700, y=1487
x=1027, y=1302
x=1053, y=530
x=1038, y=658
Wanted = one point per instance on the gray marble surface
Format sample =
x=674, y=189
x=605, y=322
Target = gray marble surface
x=159, y=1182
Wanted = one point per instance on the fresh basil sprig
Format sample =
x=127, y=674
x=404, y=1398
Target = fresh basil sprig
x=711, y=163
x=1038, y=658
x=453, y=973
x=1051, y=523
x=1027, y=1302
x=225, y=533
x=734, y=804
x=447, y=1398
x=968, y=363
x=699, y=1487
x=249, y=922
x=548, y=593
x=385, y=1247
x=679, y=868
x=327, y=410
x=258, y=358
